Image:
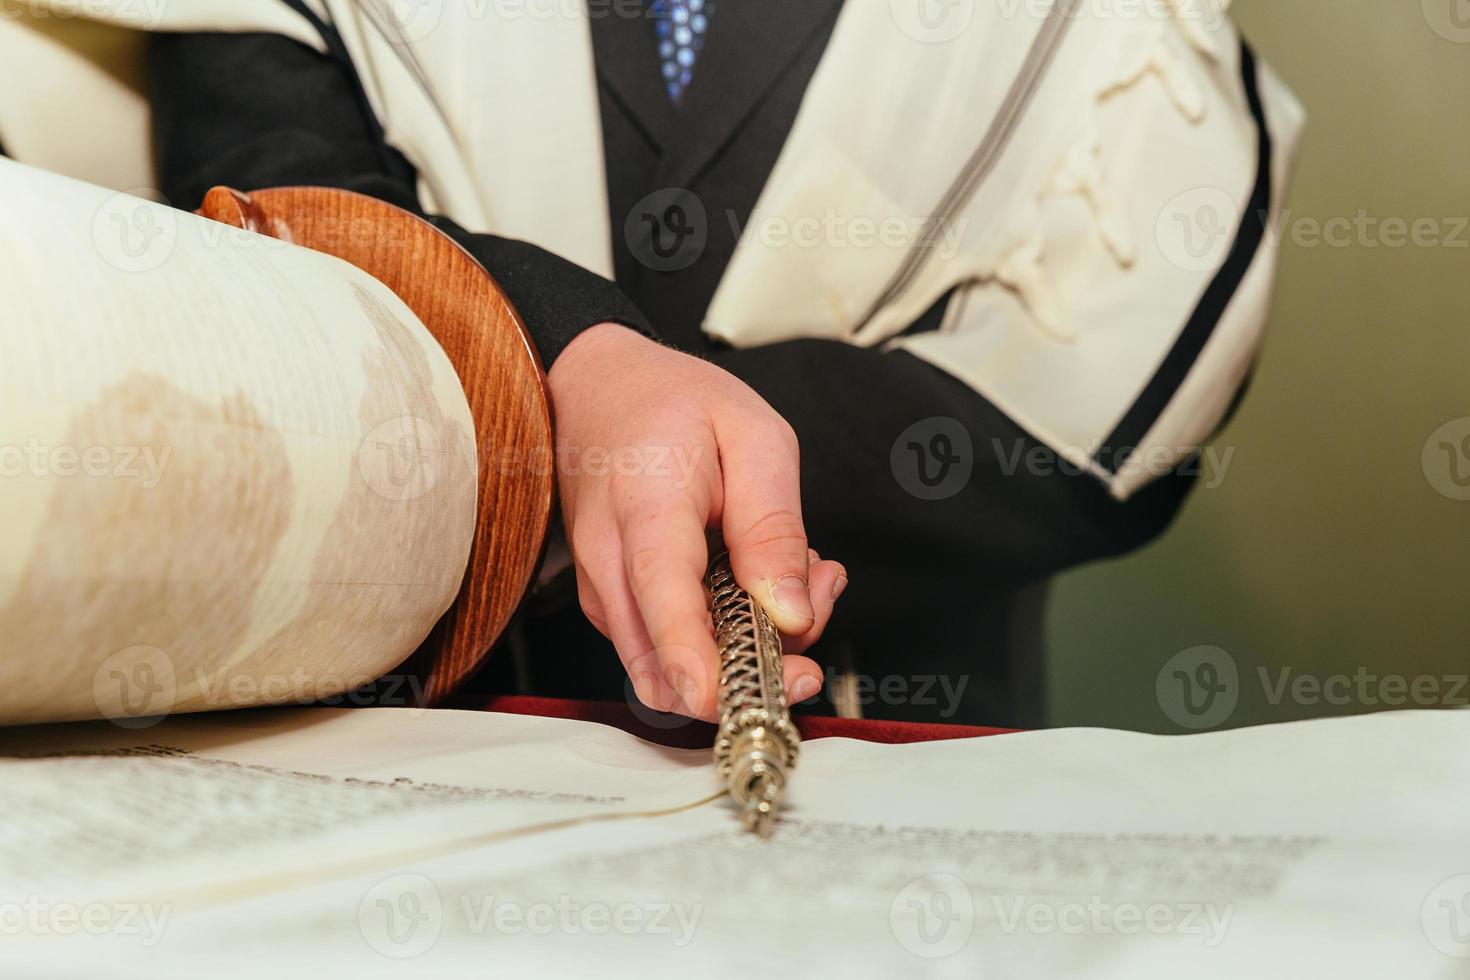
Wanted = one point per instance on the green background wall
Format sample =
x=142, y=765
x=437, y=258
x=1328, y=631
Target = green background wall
x=1327, y=550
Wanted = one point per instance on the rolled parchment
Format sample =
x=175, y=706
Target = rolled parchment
x=232, y=471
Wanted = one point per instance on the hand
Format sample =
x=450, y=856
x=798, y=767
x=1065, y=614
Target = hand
x=653, y=448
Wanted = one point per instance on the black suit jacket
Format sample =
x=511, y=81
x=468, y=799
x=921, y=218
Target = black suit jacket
x=944, y=595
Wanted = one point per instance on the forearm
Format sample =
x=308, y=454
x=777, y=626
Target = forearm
x=256, y=110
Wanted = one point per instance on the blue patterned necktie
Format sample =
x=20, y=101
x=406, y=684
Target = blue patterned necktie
x=682, y=26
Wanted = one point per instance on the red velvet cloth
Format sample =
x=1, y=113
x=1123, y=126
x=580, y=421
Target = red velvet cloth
x=688, y=734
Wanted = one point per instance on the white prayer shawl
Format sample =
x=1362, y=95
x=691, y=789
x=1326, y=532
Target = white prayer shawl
x=1096, y=181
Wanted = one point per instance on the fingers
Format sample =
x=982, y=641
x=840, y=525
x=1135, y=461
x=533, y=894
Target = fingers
x=803, y=678
x=678, y=676
x=826, y=581
x=591, y=602
x=762, y=521
x=608, y=602
x=664, y=555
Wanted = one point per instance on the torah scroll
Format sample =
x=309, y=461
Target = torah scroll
x=232, y=471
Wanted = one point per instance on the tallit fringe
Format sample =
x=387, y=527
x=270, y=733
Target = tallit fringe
x=1152, y=51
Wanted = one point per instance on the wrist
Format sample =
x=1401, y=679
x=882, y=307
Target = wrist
x=591, y=346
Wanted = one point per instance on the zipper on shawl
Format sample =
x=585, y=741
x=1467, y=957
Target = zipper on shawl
x=983, y=161
x=381, y=16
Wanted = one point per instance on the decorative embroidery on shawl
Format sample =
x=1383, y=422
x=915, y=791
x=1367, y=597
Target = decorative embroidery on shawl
x=1156, y=51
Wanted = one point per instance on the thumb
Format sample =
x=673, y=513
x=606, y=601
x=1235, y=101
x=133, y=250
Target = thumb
x=763, y=528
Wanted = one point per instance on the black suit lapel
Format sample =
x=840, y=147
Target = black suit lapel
x=626, y=51
x=751, y=43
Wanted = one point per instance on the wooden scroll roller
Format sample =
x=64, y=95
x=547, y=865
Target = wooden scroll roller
x=468, y=314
